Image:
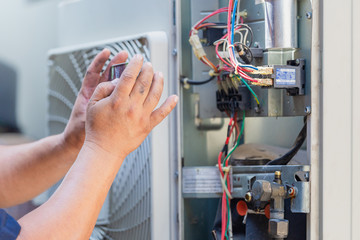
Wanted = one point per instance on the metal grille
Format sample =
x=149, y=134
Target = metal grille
x=127, y=214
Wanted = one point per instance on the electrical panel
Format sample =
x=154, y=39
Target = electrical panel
x=243, y=60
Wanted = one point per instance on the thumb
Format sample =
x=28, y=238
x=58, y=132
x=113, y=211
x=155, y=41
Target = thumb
x=103, y=90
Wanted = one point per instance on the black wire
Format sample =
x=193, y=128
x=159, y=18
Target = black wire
x=185, y=80
x=285, y=159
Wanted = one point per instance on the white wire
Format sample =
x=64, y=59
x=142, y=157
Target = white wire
x=224, y=186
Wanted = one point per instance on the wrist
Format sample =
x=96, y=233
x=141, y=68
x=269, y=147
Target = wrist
x=105, y=153
x=66, y=144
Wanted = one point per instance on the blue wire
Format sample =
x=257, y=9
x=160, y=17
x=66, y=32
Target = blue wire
x=232, y=34
x=233, y=21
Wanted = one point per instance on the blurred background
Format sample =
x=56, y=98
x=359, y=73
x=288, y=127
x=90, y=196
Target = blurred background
x=28, y=30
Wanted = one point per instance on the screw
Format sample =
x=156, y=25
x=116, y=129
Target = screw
x=174, y=52
x=248, y=197
x=292, y=192
x=308, y=15
x=308, y=110
x=256, y=44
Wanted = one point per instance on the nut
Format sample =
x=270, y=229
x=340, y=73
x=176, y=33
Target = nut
x=261, y=190
x=278, y=228
x=248, y=197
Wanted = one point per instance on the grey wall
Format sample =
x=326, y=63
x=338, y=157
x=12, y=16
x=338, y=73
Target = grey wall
x=27, y=32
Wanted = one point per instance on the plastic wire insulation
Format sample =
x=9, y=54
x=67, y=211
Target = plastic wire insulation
x=250, y=89
x=285, y=159
x=193, y=82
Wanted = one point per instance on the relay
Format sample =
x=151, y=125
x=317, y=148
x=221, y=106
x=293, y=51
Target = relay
x=291, y=77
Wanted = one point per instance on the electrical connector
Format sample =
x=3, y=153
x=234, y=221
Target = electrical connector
x=197, y=46
x=263, y=71
x=264, y=82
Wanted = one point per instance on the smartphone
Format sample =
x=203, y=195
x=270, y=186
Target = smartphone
x=116, y=71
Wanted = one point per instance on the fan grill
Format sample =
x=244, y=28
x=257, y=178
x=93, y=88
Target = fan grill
x=129, y=198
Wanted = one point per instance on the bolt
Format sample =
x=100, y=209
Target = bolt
x=308, y=15
x=248, y=197
x=292, y=192
x=308, y=110
x=174, y=52
x=256, y=44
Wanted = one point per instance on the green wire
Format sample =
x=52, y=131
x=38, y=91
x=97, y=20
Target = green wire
x=228, y=207
x=238, y=140
x=236, y=145
x=250, y=89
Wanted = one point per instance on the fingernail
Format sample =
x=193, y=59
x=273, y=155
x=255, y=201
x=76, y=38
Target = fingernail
x=149, y=64
x=176, y=99
x=139, y=57
x=161, y=74
x=115, y=81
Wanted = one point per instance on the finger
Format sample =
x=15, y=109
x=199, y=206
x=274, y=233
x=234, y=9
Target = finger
x=143, y=83
x=92, y=76
x=155, y=92
x=102, y=91
x=159, y=114
x=128, y=77
x=119, y=58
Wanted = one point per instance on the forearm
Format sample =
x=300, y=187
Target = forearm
x=29, y=169
x=72, y=211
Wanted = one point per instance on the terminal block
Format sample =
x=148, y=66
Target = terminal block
x=233, y=99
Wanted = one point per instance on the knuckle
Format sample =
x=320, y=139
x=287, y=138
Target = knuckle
x=131, y=112
x=163, y=114
x=127, y=76
x=89, y=72
x=157, y=95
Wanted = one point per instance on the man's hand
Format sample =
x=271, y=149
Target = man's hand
x=121, y=113
x=74, y=133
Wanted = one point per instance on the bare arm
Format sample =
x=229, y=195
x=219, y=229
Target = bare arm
x=29, y=169
x=118, y=110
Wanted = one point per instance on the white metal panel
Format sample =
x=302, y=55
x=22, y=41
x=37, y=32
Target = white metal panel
x=355, y=201
x=84, y=21
x=160, y=176
x=340, y=120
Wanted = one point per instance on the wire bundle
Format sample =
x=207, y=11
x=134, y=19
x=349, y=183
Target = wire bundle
x=195, y=41
x=223, y=164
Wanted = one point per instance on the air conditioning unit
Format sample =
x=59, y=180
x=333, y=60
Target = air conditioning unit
x=138, y=203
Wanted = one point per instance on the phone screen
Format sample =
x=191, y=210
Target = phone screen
x=116, y=71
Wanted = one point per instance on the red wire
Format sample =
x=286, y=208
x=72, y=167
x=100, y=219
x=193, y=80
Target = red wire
x=223, y=215
x=221, y=10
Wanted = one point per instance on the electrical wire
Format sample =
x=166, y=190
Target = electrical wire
x=225, y=178
x=285, y=159
x=194, y=31
x=251, y=90
x=186, y=80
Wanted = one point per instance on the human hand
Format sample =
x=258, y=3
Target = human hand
x=121, y=113
x=74, y=133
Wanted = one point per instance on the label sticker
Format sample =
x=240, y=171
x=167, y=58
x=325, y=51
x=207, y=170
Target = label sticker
x=285, y=76
x=201, y=180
